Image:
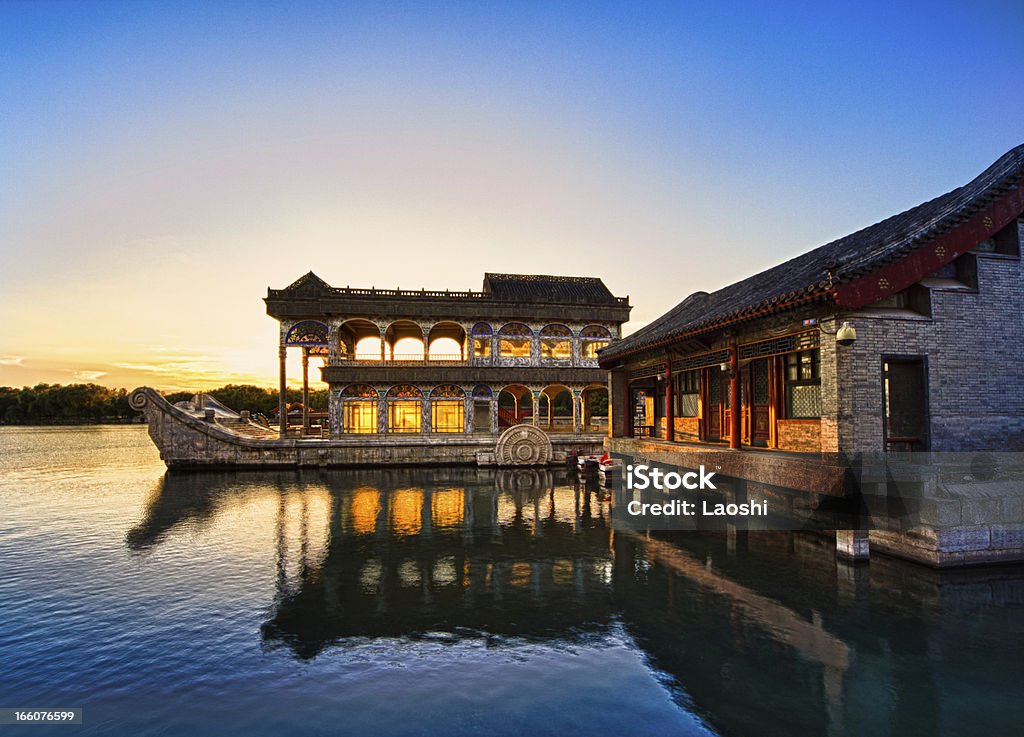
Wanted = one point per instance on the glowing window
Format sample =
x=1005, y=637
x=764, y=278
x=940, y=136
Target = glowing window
x=514, y=341
x=592, y=339
x=404, y=416
x=447, y=415
x=360, y=416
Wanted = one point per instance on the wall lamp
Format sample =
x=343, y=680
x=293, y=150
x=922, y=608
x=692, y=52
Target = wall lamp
x=845, y=335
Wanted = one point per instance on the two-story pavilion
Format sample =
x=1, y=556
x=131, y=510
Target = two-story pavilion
x=441, y=363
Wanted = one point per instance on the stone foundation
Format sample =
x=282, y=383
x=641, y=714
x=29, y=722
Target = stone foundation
x=185, y=441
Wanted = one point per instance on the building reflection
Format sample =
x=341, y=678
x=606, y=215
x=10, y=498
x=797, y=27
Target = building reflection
x=760, y=633
x=508, y=553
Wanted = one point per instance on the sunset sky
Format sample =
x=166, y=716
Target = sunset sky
x=162, y=164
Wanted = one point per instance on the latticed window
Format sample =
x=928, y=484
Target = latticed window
x=803, y=385
x=686, y=392
x=307, y=332
x=447, y=415
x=360, y=416
x=405, y=415
x=592, y=339
x=556, y=342
x=405, y=409
x=482, y=347
x=482, y=340
x=760, y=372
x=514, y=341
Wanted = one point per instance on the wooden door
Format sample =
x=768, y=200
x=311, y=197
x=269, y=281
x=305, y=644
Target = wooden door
x=906, y=417
x=716, y=414
x=759, y=400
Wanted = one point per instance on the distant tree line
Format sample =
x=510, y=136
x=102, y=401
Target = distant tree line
x=54, y=403
x=91, y=403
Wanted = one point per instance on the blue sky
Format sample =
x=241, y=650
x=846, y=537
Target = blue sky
x=163, y=163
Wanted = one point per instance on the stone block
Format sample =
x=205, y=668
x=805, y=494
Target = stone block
x=981, y=511
x=1007, y=537
x=940, y=512
x=963, y=539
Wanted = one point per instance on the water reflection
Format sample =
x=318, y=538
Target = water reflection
x=758, y=633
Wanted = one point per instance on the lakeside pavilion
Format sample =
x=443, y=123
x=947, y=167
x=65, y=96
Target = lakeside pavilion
x=901, y=338
x=421, y=362
x=930, y=360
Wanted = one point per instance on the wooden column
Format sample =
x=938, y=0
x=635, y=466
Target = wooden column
x=282, y=401
x=305, y=390
x=735, y=411
x=773, y=402
x=670, y=410
x=627, y=402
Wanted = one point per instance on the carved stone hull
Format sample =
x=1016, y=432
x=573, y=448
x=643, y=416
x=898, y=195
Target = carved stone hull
x=188, y=441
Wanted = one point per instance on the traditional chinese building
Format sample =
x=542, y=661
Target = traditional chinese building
x=933, y=297
x=443, y=364
x=419, y=377
x=904, y=336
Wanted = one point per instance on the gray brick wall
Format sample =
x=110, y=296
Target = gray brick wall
x=975, y=367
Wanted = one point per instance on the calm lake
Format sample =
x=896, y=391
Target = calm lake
x=459, y=602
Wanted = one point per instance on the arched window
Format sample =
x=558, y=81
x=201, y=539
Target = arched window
x=405, y=409
x=447, y=391
x=556, y=342
x=359, y=390
x=514, y=341
x=308, y=333
x=359, y=409
x=404, y=391
x=482, y=340
x=592, y=339
x=447, y=409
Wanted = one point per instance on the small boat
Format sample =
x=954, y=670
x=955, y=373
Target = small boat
x=588, y=463
x=609, y=466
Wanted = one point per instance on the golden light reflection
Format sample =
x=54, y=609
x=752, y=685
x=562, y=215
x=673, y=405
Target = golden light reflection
x=444, y=572
x=447, y=506
x=565, y=504
x=365, y=508
x=406, y=512
x=409, y=573
x=521, y=575
x=562, y=572
x=507, y=510
x=370, y=575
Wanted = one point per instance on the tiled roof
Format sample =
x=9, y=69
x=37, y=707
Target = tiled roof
x=812, y=275
x=550, y=289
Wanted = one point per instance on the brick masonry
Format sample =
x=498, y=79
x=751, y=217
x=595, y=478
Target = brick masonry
x=975, y=367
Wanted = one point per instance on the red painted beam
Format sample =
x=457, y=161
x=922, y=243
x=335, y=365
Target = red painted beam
x=921, y=262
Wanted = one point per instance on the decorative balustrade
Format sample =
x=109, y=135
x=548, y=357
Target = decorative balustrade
x=411, y=294
x=413, y=359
